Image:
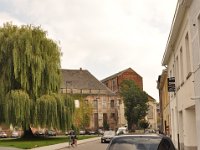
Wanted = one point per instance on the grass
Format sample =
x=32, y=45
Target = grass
x=36, y=142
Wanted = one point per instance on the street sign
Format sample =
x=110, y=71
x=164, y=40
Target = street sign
x=171, y=79
x=171, y=84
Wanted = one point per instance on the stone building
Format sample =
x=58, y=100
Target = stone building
x=103, y=100
x=152, y=113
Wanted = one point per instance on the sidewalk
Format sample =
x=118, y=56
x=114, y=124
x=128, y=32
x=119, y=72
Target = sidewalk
x=64, y=145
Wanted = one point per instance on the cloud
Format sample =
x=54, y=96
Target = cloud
x=103, y=36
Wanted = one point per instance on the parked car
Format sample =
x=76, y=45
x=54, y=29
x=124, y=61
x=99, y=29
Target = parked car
x=39, y=133
x=66, y=133
x=82, y=132
x=100, y=132
x=51, y=133
x=122, y=130
x=107, y=136
x=3, y=135
x=90, y=132
x=15, y=134
x=141, y=142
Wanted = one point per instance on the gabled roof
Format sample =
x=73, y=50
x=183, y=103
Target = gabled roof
x=118, y=74
x=150, y=98
x=81, y=79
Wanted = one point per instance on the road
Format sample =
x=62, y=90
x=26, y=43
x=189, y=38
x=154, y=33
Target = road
x=97, y=145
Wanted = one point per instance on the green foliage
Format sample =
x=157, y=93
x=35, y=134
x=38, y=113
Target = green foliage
x=144, y=124
x=29, y=74
x=28, y=61
x=135, y=101
x=69, y=110
x=82, y=114
x=55, y=111
x=18, y=108
x=105, y=125
x=46, y=110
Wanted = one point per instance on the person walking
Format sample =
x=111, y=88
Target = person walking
x=72, y=139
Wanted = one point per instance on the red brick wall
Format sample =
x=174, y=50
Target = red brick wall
x=130, y=75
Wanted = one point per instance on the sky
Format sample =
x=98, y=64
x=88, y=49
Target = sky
x=102, y=36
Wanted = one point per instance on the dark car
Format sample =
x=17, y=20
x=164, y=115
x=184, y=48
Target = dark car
x=107, y=136
x=141, y=142
x=39, y=133
x=90, y=132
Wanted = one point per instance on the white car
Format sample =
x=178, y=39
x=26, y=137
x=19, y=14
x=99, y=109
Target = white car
x=122, y=130
x=15, y=134
x=82, y=132
x=3, y=135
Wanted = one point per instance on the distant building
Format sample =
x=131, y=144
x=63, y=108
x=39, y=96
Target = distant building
x=165, y=117
x=103, y=100
x=113, y=82
x=152, y=113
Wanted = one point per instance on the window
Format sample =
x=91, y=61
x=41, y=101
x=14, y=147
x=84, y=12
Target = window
x=177, y=72
x=95, y=103
x=181, y=65
x=188, y=59
x=112, y=115
x=104, y=103
x=112, y=103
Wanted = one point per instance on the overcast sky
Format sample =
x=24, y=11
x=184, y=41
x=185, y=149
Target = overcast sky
x=102, y=36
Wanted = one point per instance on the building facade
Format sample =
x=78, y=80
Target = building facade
x=165, y=120
x=182, y=60
x=152, y=113
x=113, y=82
x=103, y=100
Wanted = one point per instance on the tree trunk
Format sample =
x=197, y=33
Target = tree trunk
x=28, y=133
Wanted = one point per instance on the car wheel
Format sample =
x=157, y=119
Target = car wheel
x=102, y=141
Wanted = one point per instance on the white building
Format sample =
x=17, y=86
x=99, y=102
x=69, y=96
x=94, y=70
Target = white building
x=182, y=58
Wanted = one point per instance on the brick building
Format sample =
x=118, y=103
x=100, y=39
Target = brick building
x=113, y=82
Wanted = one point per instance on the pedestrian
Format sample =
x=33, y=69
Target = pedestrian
x=73, y=138
x=69, y=138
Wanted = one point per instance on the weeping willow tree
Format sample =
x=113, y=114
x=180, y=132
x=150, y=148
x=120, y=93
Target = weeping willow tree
x=69, y=109
x=54, y=111
x=18, y=108
x=29, y=74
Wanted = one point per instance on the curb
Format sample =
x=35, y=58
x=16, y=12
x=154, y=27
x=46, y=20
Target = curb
x=82, y=142
x=65, y=145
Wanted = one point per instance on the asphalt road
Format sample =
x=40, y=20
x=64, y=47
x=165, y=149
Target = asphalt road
x=97, y=145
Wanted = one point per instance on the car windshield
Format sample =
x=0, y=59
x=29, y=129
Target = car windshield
x=135, y=143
